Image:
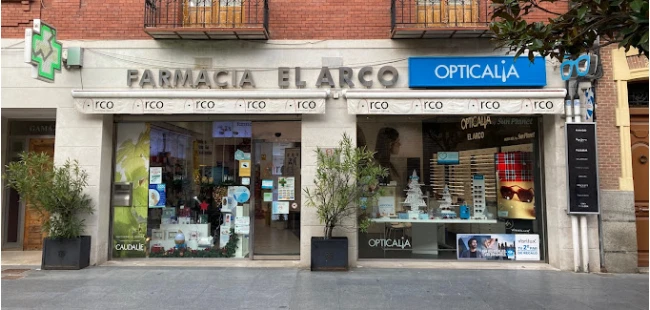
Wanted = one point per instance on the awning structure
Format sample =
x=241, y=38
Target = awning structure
x=281, y=101
x=463, y=102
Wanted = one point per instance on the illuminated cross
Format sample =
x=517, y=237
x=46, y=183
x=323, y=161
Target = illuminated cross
x=46, y=52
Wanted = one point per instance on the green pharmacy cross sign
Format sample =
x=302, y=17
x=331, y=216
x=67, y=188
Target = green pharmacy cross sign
x=43, y=51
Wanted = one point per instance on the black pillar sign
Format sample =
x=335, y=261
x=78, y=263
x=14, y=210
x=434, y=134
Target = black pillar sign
x=582, y=166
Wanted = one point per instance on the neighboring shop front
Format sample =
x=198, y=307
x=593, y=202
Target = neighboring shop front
x=465, y=159
x=22, y=132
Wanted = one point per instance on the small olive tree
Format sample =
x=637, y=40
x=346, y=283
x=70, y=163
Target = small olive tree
x=56, y=193
x=346, y=178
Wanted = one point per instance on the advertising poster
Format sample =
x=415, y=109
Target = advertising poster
x=245, y=168
x=157, y=195
x=386, y=205
x=286, y=188
x=268, y=196
x=485, y=247
x=242, y=129
x=527, y=247
x=132, y=166
x=280, y=207
x=155, y=175
x=224, y=236
x=515, y=188
x=267, y=184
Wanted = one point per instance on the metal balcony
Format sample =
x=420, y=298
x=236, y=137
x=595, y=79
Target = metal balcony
x=207, y=19
x=440, y=19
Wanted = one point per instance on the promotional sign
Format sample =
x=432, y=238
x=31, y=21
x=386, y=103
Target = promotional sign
x=280, y=207
x=43, y=51
x=155, y=175
x=498, y=247
x=448, y=158
x=516, y=195
x=485, y=247
x=482, y=71
x=157, y=196
x=267, y=184
x=527, y=247
x=245, y=168
x=582, y=163
x=132, y=166
x=286, y=188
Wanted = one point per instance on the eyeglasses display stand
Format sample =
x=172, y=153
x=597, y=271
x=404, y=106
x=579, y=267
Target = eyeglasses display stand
x=478, y=197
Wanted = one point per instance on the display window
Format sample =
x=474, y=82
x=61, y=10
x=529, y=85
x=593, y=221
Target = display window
x=196, y=189
x=458, y=187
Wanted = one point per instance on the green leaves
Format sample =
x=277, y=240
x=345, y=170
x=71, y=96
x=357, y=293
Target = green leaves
x=56, y=192
x=572, y=32
x=346, y=178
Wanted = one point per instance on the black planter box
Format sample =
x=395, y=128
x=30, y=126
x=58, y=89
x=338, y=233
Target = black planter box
x=329, y=254
x=66, y=254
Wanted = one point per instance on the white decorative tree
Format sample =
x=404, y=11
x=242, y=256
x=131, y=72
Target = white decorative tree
x=445, y=204
x=414, y=197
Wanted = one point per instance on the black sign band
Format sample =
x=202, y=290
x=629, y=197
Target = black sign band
x=582, y=166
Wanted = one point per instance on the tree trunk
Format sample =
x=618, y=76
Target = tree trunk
x=328, y=231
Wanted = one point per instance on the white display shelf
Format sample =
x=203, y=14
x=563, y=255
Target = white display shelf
x=449, y=221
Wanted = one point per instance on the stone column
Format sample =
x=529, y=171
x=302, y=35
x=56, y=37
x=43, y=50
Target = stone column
x=324, y=131
x=89, y=139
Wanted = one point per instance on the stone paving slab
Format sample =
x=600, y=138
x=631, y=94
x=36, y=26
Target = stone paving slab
x=287, y=288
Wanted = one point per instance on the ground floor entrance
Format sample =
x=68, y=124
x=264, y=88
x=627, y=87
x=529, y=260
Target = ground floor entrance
x=22, y=226
x=192, y=188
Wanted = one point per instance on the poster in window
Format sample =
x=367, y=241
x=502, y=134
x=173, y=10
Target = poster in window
x=515, y=186
x=485, y=247
x=280, y=207
x=286, y=188
x=157, y=196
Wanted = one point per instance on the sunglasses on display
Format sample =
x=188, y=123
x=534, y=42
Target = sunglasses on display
x=525, y=195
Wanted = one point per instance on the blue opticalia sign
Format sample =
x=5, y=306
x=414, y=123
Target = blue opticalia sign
x=483, y=71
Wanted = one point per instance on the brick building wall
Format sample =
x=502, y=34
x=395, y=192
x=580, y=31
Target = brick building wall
x=609, y=141
x=18, y=15
x=288, y=19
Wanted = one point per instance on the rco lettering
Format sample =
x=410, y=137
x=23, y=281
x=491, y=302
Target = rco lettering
x=490, y=105
x=476, y=72
x=433, y=105
x=256, y=105
x=154, y=105
x=310, y=105
x=104, y=105
x=203, y=104
x=379, y=105
x=543, y=105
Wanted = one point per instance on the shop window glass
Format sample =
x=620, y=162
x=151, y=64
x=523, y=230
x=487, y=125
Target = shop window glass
x=458, y=188
x=189, y=181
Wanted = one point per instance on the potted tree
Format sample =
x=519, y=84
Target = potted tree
x=57, y=194
x=346, y=179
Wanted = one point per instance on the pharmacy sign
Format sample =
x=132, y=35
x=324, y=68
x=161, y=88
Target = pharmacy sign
x=43, y=51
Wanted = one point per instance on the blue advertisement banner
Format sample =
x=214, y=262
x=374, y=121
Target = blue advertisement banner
x=482, y=71
x=486, y=247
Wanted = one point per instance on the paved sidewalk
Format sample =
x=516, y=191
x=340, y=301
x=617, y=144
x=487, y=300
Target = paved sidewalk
x=274, y=288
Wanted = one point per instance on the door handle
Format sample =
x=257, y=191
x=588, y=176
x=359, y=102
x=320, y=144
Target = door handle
x=643, y=159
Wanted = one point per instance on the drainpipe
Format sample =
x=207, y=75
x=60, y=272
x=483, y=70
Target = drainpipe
x=575, y=235
x=584, y=237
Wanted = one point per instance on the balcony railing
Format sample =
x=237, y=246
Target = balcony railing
x=206, y=19
x=439, y=18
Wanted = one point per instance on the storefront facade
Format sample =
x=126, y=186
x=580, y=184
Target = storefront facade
x=206, y=116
